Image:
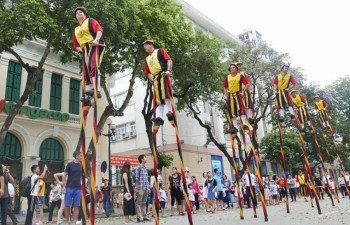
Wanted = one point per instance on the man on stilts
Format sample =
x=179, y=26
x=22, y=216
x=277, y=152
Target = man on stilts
x=233, y=92
x=87, y=41
x=247, y=97
x=302, y=106
x=321, y=106
x=158, y=68
x=282, y=83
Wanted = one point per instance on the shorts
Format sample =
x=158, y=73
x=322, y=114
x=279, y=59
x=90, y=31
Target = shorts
x=41, y=200
x=162, y=204
x=274, y=196
x=220, y=195
x=72, y=197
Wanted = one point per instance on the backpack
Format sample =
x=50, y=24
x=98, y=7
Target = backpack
x=26, y=186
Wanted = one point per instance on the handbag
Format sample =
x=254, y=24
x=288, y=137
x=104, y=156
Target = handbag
x=127, y=196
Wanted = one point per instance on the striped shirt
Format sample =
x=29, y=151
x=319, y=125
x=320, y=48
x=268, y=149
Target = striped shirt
x=141, y=175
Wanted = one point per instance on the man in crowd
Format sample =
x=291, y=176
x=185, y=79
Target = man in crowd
x=106, y=197
x=141, y=189
x=71, y=184
x=34, y=190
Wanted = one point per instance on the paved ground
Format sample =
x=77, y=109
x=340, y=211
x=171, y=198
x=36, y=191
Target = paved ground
x=300, y=213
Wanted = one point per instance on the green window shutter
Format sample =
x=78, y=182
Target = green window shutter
x=74, y=96
x=13, y=81
x=56, y=92
x=11, y=148
x=35, y=97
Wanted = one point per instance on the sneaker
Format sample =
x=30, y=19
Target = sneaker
x=146, y=219
x=90, y=92
x=170, y=116
x=157, y=121
x=245, y=127
x=140, y=220
x=99, y=95
x=232, y=131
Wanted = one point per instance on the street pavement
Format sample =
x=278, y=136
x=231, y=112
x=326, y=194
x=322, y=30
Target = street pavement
x=301, y=213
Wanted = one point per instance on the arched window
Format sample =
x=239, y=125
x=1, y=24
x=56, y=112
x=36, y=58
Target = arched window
x=11, y=149
x=52, y=154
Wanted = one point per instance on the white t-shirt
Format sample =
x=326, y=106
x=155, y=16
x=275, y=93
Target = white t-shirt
x=162, y=195
x=11, y=190
x=341, y=180
x=325, y=179
x=246, y=179
x=191, y=195
x=35, y=190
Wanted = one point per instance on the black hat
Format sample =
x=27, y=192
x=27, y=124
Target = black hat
x=82, y=9
x=148, y=42
x=285, y=65
x=232, y=64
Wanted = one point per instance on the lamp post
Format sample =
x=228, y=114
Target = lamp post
x=111, y=129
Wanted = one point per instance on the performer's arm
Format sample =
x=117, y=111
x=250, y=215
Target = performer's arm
x=292, y=82
x=167, y=58
x=148, y=72
x=76, y=45
x=96, y=27
x=275, y=82
x=170, y=67
x=225, y=88
x=96, y=42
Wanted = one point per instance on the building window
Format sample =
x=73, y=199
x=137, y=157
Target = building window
x=74, y=94
x=132, y=126
x=119, y=99
x=263, y=168
x=56, y=92
x=13, y=81
x=274, y=168
x=35, y=97
x=120, y=132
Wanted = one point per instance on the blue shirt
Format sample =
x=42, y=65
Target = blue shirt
x=141, y=175
x=74, y=171
x=218, y=181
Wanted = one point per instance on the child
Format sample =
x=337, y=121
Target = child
x=267, y=194
x=120, y=200
x=274, y=192
x=191, y=198
x=162, y=199
x=332, y=186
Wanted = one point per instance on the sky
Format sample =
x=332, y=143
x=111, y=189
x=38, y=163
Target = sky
x=316, y=34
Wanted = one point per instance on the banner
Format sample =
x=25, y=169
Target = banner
x=120, y=160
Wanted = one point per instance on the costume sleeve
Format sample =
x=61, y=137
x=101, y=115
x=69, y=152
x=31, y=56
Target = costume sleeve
x=225, y=83
x=245, y=81
x=325, y=104
x=146, y=68
x=303, y=99
x=275, y=80
x=247, y=77
x=95, y=26
x=75, y=42
x=292, y=80
x=316, y=106
x=164, y=54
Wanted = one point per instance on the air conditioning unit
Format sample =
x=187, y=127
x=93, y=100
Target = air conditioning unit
x=132, y=133
x=126, y=135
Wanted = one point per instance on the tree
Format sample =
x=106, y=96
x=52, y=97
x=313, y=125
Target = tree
x=270, y=148
x=53, y=22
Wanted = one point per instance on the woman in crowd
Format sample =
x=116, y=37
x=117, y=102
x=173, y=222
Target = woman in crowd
x=196, y=190
x=227, y=183
x=211, y=185
x=175, y=191
x=129, y=201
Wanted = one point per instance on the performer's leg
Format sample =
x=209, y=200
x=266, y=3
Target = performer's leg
x=291, y=110
x=281, y=114
x=249, y=113
x=167, y=105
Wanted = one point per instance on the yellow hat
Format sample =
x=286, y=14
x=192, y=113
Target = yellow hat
x=82, y=9
x=148, y=42
x=239, y=62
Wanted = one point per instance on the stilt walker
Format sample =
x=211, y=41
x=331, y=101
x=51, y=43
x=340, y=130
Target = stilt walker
x=158, y=68
x=87, y=41
x=308, y=174
x=321, y=106
x=283, y=82
x=233, y=134
x=313, y=132
x=233, y=93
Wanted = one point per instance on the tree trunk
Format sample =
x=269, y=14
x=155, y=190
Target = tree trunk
x=31, y=79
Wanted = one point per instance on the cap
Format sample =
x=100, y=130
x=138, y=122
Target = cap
x=292, y=91
x=232, y=64
x=316, y=96
x=148, y=42
x=82, y=9
x=285, y=65
x=239, y=62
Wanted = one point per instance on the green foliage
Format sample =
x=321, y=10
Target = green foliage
x=270, y=148
x=165, y=160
